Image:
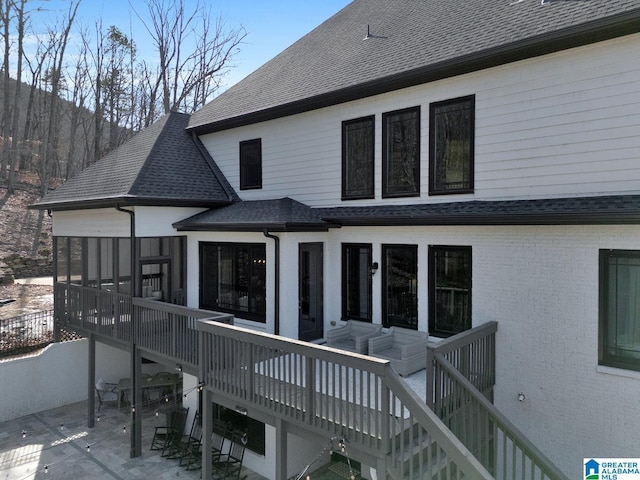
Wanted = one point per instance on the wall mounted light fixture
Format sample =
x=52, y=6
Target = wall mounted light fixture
x=521, y=397
x=373, y=268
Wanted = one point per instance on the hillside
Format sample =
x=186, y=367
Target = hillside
x=25, y=249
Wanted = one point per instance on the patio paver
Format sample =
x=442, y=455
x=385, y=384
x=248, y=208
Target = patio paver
x=58, y=438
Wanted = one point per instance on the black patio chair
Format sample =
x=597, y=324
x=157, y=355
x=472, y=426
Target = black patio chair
x=193, y=458
x=172, y=430
x=229, y=466
x=179, y=448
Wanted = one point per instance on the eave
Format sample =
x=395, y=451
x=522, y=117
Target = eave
x=125, y=201
x=254, y=227
x=490, y=220
x=579, y=35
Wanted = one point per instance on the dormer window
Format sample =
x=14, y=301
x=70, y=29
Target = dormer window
x=251, y=164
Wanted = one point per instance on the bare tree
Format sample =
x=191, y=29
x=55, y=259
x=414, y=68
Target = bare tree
x=75, y=112
x=187, y=78
x=6, y=112
x=79, y=94
x=60, y=41
x=12, y=154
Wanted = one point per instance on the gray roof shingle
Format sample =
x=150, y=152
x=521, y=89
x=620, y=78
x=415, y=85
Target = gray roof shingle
x=290, y=215
x=282, y=214
x=161, y=165
x=412, y=41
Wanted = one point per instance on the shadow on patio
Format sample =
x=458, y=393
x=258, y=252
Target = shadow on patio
x=56, y=444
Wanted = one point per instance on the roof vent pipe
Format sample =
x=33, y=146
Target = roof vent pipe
x=368, y=33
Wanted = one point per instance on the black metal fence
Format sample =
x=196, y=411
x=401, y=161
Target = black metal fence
x=28, y=333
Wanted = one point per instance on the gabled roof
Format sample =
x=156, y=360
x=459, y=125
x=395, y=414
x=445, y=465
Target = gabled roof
x=289, y=215
x=411, y=42
x=162, y=165
x=280, y=215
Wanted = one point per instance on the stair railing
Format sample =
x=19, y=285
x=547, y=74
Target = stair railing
x=496, y=442
x=333, y=392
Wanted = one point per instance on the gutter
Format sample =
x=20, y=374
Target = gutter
x=276, y=300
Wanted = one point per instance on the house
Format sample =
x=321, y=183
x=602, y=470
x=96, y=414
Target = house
x=415, y=164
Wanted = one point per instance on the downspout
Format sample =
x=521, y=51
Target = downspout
x=276, y=300
x=136, y=389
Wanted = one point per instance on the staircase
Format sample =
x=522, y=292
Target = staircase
x=461, y=375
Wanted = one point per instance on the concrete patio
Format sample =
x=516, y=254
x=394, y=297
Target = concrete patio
x=56, y=441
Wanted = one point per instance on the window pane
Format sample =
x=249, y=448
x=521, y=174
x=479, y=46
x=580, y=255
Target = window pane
x=251, y=164
x=233, y=279
x=256, y=281
x=622, y=322
x=124, y=265
x=226, y=294
x=106, y=261
x=400, y=284
x=150, y=247
x=92, y=262
x=401, y=153
x=76, y=266
x=358, y=158
x=452, y=145
x=356, y=294
x=61, y=258
x=451, y=290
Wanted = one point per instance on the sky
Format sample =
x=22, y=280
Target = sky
x=271, y=25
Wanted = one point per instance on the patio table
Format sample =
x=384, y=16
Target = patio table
x=124, y=384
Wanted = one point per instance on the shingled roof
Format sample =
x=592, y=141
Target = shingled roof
x=162, y=165
x=289, y=215
x=283, y=214
x=410, y=42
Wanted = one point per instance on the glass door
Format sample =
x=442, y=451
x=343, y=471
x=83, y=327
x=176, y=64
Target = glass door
x=310, y=292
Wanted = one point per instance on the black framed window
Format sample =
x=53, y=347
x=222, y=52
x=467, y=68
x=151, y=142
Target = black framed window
x=233, y=278
x=356, y=282
x=449, y=290
x=358, y=158
x=451, y=145
x=240, y=424
x=401, y=153
x=251, y=164
x=400, y=286
x=619, y=331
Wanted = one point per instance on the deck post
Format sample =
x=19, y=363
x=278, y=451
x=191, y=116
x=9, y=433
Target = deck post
x=381, y=470
x=281, y=448
x=430, y=378
x=136, y=401
x=91, y=381
x=310, y=389
x=207, y=431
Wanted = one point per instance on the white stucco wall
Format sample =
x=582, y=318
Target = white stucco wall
x=109, y=222
x=157, y=221
x=54, y=377
x=104, y=222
